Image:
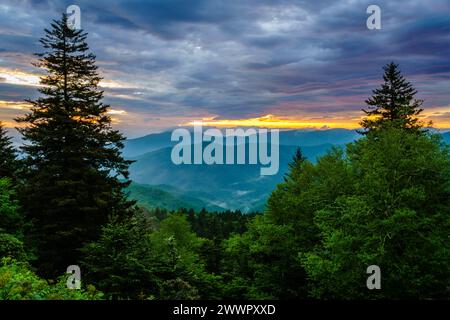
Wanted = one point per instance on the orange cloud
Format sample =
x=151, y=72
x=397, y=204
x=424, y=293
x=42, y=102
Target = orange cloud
x=440, y=116
x=14, y=105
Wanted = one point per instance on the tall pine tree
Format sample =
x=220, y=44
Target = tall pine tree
x=393, y=105
x=8, y=162
x=295, y=167
x=76, y=172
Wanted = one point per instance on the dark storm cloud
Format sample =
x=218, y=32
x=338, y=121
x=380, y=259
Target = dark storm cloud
x=247, y=58
x=16, y=93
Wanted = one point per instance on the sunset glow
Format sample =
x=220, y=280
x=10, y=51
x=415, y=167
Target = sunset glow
x=271, y=121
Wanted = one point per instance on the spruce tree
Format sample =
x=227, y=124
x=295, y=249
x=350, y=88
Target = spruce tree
x=8, y=162
x=393, y=104
x=75, y=171
x=295, y=166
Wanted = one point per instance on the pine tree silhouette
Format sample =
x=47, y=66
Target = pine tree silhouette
x=75, y=171
x=393, y=105
x=8, y=162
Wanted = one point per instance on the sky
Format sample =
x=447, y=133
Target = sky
x=277, y=64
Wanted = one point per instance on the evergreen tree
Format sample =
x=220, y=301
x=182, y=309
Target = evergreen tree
x=11, y=223
x=73, y=159
x=133, y=260
x=393, y=104
x=295, y=165
x=11, y=220
x=120, y=261
x=8, y=162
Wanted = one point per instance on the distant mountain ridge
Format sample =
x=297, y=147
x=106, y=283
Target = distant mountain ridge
x=446, y=137
x=155, y=141
x=159, y=182
x=228, y=186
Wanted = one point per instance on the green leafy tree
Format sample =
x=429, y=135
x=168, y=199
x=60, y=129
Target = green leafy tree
x=18, y=282
x=258, y=264
x=178, y=289
x=71, y=152
x=11, y=220
x=11, y=247
x=136, y=260
x=396, y=218
x=11, y=224
x=179, y=262
x=265, y=258
x=393, y=104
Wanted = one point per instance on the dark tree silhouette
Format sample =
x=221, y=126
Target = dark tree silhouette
x=8, y=162
x=73, y=157
x=393, y=104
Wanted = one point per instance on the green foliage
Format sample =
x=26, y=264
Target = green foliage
x=217, y=226
x=397, y=218
x=11, y=220
x=178, y=251
x=258, y=263
x=135, y=259
x=178, y=289
x=268, y=252
x=213, y=227
x=11, y=247
x=11, y=224
x=18, y=282
x=385, y=202
x=120, y=262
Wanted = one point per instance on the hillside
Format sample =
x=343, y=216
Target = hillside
x=167, y=197
x=227, y=186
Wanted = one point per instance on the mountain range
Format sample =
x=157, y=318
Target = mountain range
x=158, y=182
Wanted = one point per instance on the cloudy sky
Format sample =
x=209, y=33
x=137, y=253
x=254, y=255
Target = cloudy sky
x=285, y=63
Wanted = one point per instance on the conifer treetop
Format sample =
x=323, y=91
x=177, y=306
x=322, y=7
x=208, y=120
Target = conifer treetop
x=393, y=104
